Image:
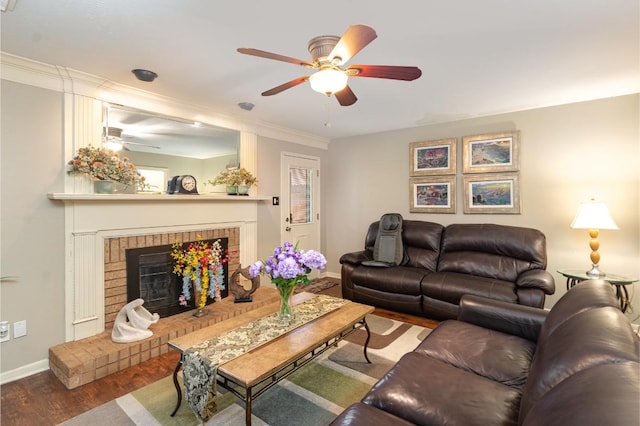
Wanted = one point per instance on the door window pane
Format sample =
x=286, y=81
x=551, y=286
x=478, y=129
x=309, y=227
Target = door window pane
x=300, y=190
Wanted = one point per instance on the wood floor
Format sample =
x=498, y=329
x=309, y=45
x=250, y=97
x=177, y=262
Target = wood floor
x=41, y=399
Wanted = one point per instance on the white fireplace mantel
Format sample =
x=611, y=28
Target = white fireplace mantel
x=90, y=219
x=141, y=197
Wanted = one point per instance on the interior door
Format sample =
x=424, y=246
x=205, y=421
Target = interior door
x=301, y=202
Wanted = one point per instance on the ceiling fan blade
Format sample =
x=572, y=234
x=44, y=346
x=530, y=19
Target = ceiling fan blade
x=275, y=56
x=140, y=144
x=384, y=71
x=346, y=96
x=285, y=86
x=352, y=41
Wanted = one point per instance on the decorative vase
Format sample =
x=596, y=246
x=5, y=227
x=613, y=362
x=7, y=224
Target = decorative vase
x=122, y=188
x=200, y=312
x=243, y=189
x=285, y=314
x=232, y=189
x=104, y=186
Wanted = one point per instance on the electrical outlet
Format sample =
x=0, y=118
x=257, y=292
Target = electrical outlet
x=275, y=201
x=19, y=329
x=4, y=331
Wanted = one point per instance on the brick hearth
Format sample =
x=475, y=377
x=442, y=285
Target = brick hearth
x=83, y=361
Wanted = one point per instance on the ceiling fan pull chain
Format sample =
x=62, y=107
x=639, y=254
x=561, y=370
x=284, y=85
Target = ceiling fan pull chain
x=327, y=112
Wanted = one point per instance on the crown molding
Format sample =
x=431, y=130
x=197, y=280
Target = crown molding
x=67, y=80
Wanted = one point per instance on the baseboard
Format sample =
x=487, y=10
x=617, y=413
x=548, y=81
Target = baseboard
x=24, y=371
x=330, y=275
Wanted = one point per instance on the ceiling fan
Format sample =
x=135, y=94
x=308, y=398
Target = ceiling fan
x=329, y=55
x=115, y=140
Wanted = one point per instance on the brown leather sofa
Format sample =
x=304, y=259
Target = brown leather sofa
x=506, y=364
x=500, y=262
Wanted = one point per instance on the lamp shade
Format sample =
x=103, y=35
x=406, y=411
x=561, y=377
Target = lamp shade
x=328, y=81
x=593, y=215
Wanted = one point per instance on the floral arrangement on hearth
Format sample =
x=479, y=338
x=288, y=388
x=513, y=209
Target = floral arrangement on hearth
x=288, y=267
x=200, y=264
x=105, y=164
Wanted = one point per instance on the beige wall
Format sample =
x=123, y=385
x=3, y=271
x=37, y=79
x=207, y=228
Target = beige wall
x=32, y=226
x=569, y=154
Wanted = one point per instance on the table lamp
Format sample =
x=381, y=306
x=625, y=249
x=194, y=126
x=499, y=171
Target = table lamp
x=594, y=216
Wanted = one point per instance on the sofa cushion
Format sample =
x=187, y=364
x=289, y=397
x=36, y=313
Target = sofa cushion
x=395, y=279
x=603, y=395
x=408, y=303
x=363, y=414
x=492, y=251
x=451, y=286
x=585, y=296
x=421, y=242
x=590, y=338
x=501, y=357
x=426, y=391
x=438, y=309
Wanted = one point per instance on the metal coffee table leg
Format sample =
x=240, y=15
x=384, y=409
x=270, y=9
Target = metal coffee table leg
x=177, y=385
x=366, y=342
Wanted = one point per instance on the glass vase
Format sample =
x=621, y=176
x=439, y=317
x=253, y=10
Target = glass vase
x=200, y=312
x=104, y=186
x=285, y=314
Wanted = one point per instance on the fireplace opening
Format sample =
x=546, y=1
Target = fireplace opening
x=150, y=277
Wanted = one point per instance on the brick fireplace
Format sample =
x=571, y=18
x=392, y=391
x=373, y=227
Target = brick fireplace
x=98, y=230
x=115, y=267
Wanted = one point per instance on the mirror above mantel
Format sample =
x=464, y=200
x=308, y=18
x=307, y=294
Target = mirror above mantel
x=166, y=146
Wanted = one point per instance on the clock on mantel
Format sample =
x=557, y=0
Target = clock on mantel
x=183, y=184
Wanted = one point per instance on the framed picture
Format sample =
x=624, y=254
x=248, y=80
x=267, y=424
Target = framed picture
x=499, y=193
x=433, y=157
x=497, y=152
x=433, y=195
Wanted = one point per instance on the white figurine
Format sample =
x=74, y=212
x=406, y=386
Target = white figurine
x=136, y=327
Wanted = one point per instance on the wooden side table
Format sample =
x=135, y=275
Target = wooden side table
x=620, y=282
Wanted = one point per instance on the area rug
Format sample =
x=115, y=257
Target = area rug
x=314, y=395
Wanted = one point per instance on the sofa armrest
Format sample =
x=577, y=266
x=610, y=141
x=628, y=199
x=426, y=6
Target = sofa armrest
x=510, y=318
x=357, y=257
x=537, y=278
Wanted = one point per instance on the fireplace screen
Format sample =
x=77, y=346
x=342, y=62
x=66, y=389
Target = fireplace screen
x=150, y=277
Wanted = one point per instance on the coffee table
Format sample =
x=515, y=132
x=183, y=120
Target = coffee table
x=253, y=373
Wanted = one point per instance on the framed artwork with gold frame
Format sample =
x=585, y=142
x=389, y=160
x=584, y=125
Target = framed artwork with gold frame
x=492, y=194
x=437, y=157
x=491, y=153
x=433, y=194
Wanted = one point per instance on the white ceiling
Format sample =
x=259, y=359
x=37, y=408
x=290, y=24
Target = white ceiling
x=477, y=57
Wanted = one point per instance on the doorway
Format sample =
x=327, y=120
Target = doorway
x=300, y=204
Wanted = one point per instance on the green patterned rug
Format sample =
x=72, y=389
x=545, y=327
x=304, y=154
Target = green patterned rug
x=314, y=395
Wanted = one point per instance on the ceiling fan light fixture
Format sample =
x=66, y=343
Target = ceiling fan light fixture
x=112, y=145
x=328, y=81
